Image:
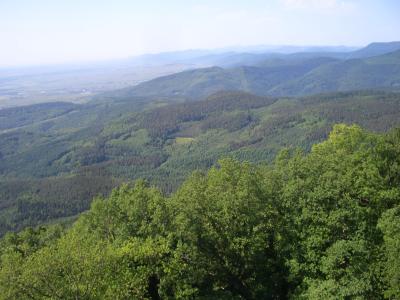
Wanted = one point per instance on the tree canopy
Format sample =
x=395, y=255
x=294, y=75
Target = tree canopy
x=318, y=225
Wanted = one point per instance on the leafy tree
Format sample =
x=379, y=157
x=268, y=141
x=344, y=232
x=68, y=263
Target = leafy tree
x=333, y=198
x=229, y=222
x=322, y=225
x=390, y=226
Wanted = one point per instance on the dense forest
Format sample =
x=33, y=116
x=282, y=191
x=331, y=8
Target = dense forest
x=54, y=158
x=323, y=224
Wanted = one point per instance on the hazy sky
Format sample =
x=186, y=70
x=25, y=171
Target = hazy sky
x=52, y=31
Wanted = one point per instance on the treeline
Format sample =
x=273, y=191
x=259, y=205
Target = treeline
x=322, y=225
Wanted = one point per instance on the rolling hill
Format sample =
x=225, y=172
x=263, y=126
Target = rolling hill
x=375, y=49
x=79, y=83
x=53, y=163
x=279, y=77
x=375, y=72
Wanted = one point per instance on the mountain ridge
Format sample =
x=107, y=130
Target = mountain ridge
x=279, y=77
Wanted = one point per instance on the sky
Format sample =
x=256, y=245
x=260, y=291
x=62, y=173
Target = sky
x=34, y=32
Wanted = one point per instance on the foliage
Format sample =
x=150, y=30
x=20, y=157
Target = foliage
x=308, y=226
x=52, y=169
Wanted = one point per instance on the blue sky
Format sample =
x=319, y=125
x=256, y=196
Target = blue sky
x=58, y=31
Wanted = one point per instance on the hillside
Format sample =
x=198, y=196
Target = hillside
x=375, y=49
x=317, y=225
x=79, y=83
x=200, y=83
x=279, y=77
x=354, y=74
x=51, y=169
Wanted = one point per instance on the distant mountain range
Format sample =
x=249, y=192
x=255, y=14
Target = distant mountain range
x=82, y=82
x=236, y=56
x=375, y=49
x=283, y=75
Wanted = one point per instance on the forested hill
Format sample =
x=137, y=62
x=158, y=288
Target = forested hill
x=57, y=158
x=323, y=225
x=375, y=49
x=79, y=83
x=280, y=77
